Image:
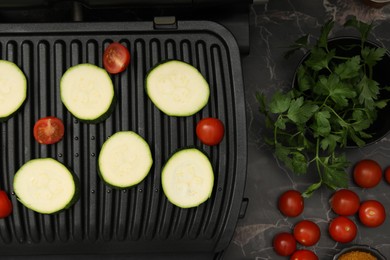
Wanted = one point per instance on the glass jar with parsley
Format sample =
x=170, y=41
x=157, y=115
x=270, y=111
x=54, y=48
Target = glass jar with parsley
x=340, y=92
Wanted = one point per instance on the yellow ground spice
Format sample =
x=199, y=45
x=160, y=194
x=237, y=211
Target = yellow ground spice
x=357, y=255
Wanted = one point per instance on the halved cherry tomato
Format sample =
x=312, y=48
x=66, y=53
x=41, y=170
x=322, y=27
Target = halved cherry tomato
x=367, y=173
x=116, y=58
x=5, y=205
x=372, y=213
x=284, y=244
x=290, y=203
x=307, y=232
x=345, y=202
x=48, y=130
x=342, y=229
x=210, y=131
x=304, y=254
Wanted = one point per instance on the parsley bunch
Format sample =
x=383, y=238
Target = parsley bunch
x=334, y=102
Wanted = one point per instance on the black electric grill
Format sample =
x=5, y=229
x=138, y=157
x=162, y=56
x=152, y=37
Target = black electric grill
x=140, y=219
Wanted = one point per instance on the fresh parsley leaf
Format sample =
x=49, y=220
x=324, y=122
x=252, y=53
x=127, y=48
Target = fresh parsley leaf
x=355, y=138
x=319, y=59
x=299, y=162
x=381, y=104
x=281, y=123
x=321, y=124
x=279, y=103
x=363, y=28
x=303, y=41
x=343, y=133
x=334, y=175
x=361, y=121
x=321, y=88
x=283, y=154
x=336, y=90
x=369, y=90
x=364, y=135
x=299, y=112
x=300, y=43
x=329, y=142
x=305, y=81
x=311, y=189
x=348, y=69
x=341, y=95
x=260, y=97
x=325, y=31
x=372, y=55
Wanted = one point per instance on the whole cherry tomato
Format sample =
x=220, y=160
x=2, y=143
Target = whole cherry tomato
x=367, y=173
x=5, y=205
x=116, y=58
x=304, y=254
x=284, y=244
x=372, y=213
x=387, y=175
x=210, y=131
x=48, y=130
x=307, y=232
x=342, y=229
x=345, y=202
x=291, y=203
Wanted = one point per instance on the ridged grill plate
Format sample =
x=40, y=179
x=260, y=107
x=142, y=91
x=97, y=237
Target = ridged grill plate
x=139, y=219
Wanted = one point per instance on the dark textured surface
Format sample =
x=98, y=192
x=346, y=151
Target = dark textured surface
x=139, y=219
x=274, y=26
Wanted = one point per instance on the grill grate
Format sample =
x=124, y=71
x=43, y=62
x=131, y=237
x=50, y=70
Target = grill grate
x=139, y=219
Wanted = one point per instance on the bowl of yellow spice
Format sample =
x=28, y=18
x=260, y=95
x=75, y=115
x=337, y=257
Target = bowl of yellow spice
x=359, y=252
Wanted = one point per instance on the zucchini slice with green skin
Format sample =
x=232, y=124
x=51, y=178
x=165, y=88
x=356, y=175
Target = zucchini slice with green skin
x=46, y=186
x=177, y=88
x=87, y=92
x=13, y=89
x=188, y=178
x=125, y=160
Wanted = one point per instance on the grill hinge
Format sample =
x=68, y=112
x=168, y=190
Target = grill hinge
x=244, y=206
x=164, y=22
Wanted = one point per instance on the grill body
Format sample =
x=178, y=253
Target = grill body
x=139, y=219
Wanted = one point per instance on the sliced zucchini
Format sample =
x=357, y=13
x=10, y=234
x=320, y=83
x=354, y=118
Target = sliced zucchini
x=13, y=89
x=125, y=160
x=45, y=186
x=87, y=92
x=177, y=88
x=188, y=178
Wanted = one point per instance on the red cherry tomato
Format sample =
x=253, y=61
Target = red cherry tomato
x=5, y=205
x=116, y=58
x=367, y=173
x=291, y=203
x=345, y=202
x=284, y=244
x=210, y=131
x=387, y=175
x=342, y=229
x=307, y=232
x=372, y=213
x=304, y=255
x=48, y=130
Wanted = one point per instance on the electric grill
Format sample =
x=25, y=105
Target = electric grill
x=138, y=220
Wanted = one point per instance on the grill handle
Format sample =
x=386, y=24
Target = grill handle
x=117, y=3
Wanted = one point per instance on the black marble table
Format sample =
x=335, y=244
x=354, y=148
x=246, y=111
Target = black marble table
x=273, y=27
